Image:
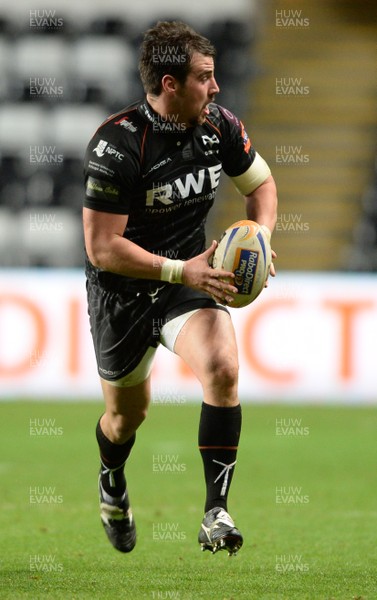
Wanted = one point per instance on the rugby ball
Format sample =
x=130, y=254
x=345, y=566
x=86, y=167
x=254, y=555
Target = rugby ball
x=244, y=248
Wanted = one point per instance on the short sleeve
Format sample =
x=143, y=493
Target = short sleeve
x=110, y=173
x=238, y=152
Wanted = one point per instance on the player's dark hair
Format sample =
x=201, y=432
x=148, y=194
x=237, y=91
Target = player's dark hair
x=167, y=49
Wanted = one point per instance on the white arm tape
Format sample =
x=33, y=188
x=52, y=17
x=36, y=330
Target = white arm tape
x=172, y=271
x=256, y=174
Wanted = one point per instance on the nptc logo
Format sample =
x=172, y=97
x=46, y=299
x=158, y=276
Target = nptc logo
x=100, y=148
x=104, y=147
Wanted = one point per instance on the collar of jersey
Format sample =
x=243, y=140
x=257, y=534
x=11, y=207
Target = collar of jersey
x=147, y=111
x=150, y=115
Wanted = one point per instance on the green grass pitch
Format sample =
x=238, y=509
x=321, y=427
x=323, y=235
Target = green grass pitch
x=304, y=495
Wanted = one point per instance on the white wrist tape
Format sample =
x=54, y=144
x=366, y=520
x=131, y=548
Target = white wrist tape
x=266, y=231
x=172, y=271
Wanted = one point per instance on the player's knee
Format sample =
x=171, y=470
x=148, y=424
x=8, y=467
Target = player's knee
x=125, y=425
x=223, y=374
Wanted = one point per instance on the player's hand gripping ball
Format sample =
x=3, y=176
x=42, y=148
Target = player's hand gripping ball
x=244, y=248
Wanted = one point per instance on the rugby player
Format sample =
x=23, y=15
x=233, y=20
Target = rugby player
x=151, y=173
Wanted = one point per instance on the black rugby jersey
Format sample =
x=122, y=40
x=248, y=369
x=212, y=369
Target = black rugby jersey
x=163, y=175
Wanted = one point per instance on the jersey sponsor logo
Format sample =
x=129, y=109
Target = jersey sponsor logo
x=100, y=169
x=126, y=124
x=102, y=190
x=210, y=140
x=182, y=187
x=104, y=147
x=229, y=115
x=246, y=139
x=162, y=163
x=100, y=148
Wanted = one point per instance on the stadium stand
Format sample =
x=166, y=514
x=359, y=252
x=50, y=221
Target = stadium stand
x=330, y=122
x=64, y=67
x=361, y=254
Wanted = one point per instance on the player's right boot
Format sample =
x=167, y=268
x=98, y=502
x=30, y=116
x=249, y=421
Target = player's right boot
x=218, y=532
x=117, y=519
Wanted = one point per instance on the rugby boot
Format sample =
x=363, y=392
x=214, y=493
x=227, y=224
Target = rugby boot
x=218, y=532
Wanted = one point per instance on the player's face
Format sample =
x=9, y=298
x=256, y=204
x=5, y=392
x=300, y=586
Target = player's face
x=198, y=91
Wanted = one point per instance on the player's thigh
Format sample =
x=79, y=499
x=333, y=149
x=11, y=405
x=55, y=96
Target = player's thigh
x=123, y=400
x=207, y=343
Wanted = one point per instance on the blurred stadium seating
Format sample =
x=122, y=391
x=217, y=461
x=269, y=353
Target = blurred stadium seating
x=361, y=255
x=63, y=69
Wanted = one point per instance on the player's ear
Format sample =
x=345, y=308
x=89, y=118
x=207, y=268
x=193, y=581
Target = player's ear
x=169, y=84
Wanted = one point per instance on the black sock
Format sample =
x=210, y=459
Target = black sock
x=113, y=457
x=219, y=433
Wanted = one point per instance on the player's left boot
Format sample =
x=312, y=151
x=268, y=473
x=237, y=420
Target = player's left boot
x=218, y=532
x=117, y=519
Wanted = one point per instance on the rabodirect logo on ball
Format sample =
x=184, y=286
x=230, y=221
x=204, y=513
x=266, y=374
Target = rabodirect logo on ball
x=244, y=269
